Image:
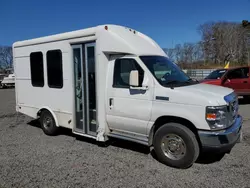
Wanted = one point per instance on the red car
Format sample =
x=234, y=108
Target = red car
x=235, y=78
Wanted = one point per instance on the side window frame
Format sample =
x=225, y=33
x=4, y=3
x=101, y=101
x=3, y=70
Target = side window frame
x=248, y=70
x=32, y=81
x=61, y=69
x=138, y=67
x=237, y=69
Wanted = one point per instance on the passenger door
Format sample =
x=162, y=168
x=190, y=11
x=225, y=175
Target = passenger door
x=128, y=110
x=238, y=79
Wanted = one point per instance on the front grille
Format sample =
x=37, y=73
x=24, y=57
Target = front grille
x=233, y=107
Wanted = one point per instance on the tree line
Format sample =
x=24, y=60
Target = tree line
x=6, y=57
x=221, y=42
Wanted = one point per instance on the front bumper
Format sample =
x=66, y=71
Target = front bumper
x=221, y=141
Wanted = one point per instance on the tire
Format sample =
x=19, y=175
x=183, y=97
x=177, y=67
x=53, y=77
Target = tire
x=48, y=124
x=186, y=148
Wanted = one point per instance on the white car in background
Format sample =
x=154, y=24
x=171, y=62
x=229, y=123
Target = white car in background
x=8, y=81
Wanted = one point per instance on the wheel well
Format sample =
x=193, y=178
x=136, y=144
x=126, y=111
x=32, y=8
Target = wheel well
x=40, y=111
x=50, y=111
x=172, y=119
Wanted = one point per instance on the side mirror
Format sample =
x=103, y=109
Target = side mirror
x=134, y=78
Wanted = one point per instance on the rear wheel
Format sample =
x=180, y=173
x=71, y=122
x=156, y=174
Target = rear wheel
x=48, y=124
x=175, y=145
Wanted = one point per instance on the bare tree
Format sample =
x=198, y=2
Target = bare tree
x=170, y=52
x=198, y=51
x=6, y=58
x=178, y=53
x=223, y=41
x=188, y=51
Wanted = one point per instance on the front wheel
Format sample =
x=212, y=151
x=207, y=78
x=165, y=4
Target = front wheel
x=175, y=145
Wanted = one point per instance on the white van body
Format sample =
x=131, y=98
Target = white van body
x=127, y=113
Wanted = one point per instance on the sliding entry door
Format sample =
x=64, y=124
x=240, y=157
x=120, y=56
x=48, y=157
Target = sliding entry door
x=85, y=89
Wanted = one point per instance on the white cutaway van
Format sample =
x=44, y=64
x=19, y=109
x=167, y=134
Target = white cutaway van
x=113, y=81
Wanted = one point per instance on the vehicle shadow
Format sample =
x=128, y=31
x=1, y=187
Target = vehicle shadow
x=204, y=158
x=210, y=157
x=64, y=131
x=111, y=142
x=243, y=101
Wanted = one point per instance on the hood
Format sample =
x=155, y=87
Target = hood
x=198, y=94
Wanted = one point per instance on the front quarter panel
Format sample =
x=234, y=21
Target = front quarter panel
x=186, y=105
x=195, y=114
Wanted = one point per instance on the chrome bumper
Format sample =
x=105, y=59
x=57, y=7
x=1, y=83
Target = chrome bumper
x=224, y=140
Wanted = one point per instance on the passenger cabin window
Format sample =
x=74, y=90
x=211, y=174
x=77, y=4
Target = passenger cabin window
x=239, y=73
x=36, y=69
x=54, y=69
x=122, y=70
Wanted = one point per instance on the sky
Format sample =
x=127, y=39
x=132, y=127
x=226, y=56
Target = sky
x=168, y=22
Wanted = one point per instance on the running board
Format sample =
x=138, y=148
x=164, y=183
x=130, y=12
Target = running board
x=84, y=135
x=120, y=136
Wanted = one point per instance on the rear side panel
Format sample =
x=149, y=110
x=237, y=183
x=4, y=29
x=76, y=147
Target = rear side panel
x=30, y=99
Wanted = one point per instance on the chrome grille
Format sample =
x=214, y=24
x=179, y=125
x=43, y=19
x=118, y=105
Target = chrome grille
x=233, y=108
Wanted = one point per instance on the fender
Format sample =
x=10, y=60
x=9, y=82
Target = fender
x=51, y=111
x=166, y=119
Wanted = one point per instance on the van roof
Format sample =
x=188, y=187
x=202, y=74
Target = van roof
x=118, y=39
x=91, y=31
x=60, y=36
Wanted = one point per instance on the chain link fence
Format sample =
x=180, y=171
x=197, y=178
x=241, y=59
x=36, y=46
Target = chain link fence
x=198, y=74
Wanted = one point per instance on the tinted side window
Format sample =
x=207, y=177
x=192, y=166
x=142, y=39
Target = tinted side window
x=246, y=72
x=239, y=73
x=36, y=69
x=54, y=69
x=122, y=70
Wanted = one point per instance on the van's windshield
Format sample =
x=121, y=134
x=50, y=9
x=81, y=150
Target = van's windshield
x=166, y=72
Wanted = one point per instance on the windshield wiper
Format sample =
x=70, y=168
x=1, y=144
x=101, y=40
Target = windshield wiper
x=173, y=82
x=190, y=80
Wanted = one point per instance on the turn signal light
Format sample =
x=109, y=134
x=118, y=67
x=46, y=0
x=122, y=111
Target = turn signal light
x=211, y=117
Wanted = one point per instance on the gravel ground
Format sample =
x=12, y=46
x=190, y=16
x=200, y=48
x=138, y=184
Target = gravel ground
x=29, y=158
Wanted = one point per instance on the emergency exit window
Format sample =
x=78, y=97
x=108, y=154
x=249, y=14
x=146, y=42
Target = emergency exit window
x=54, y=69
x=36, y=69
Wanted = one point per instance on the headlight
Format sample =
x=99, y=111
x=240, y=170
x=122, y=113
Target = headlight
x=216, y=117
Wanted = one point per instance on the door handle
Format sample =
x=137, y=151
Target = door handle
x=245, y=82
x=111, y=102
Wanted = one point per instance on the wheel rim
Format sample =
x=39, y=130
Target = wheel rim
x=173, y=146
x=47, y=122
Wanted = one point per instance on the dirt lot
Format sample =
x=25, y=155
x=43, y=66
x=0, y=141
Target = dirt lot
x=28, y=158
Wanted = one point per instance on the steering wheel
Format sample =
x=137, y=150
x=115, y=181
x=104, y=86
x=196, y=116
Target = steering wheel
x=165, y=76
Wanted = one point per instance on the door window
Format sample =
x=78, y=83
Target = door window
x=239, y=73
x=122, y=70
